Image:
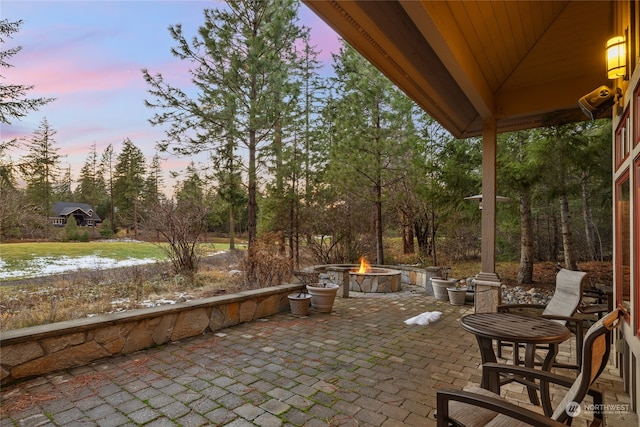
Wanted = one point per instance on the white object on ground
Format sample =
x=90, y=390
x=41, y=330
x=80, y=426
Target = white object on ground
x=424, y=318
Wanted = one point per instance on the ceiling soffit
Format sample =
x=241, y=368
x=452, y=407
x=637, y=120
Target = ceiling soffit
x=385, y=35
x=523, y=62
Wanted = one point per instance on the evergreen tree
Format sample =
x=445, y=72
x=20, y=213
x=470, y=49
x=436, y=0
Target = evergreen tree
x=559, y=151
x=107, y=167
x=7, y=167
x=595, y=185
x=152, y=193
x=91, y=187
x=290, y=155
x=573, y=171
x=14, y=104
x=13, y=100
x=40, y=168
x=520, y=173
x=416, y=210
x=192, y=188
x=11, y=197
x=63, y=190
x=228, y=174
x=374, y=131
x=453, y=172
x=240, y=60
x=71, y=231
x=312, y=148
x=128, y=184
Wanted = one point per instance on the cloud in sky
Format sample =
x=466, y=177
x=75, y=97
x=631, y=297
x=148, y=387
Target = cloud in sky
x=89, y=56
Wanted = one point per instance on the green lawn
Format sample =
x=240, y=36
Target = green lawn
x=21, y=260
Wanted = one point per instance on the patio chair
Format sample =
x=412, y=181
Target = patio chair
x=561, y=308
x=479, y=407
x=598, y=301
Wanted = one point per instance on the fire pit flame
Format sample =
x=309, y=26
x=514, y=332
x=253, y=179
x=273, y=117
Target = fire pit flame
x=364, y=266
x=374, y=279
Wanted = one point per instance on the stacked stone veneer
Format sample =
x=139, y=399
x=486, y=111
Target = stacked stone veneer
x=339, y=273
x=379, y=280
x=38, y=350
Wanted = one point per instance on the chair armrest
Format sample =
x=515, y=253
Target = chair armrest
x=568, y=319
x=541, y=375
x=559, y=317
x=504, y=308
x=577, y=322
x=492, y=403
x=523, y=371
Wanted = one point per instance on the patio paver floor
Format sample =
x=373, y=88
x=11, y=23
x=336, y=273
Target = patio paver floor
x=358, y=366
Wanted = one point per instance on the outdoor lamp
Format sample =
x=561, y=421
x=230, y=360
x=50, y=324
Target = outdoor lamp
x=616, y=58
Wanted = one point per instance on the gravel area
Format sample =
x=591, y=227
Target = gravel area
x=520, y=295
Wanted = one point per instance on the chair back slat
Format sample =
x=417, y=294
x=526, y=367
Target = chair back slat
x=598, y=352
x=595, y=356
x=568, y=293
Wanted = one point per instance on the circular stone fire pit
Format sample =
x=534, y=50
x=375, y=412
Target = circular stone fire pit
x=381, y=280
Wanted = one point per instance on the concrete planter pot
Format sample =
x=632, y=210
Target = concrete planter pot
x=322, y=296
x=299, y=303
x=457, y=296
x=440, y=286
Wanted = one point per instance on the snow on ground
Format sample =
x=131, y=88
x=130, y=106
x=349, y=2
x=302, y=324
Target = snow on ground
x=46, y=266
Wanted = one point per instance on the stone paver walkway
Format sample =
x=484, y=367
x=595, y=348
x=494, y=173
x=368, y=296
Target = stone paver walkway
x=359, y=366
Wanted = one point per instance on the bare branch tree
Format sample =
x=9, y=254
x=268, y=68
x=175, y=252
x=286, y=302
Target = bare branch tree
x=180, y=226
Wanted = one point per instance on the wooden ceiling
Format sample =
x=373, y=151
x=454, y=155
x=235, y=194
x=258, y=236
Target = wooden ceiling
x=526, y=63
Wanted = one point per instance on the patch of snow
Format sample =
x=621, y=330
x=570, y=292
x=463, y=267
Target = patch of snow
x=46, y=266
x=156, y=303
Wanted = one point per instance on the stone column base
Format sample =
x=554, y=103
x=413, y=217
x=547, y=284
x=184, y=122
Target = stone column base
x=487, y=293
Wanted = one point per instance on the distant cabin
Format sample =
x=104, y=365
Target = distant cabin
x=83, y=213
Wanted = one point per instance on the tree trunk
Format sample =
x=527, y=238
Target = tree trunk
x=111, y=204
x=433, y=238
x=379, y=242
x=252, y=207
x=422, y=231
x=46, y=201
x=291, y=238
x=408, y=245
x=135, y=217
x=567, y=241
x=232, y=226
x=292, y=222
x=525, y=272
x=553, y=238
x=277, y=148
x=589, y=228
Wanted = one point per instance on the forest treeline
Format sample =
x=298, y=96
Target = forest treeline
x=334, y=164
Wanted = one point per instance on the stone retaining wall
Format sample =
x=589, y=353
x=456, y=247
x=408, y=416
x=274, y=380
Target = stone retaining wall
x=38, y=350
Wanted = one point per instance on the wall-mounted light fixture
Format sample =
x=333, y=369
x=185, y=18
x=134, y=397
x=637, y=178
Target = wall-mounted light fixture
x=616, y=57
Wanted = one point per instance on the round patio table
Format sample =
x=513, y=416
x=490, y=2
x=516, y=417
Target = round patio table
x=517, y=329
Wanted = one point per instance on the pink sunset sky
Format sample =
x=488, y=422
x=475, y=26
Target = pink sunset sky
x=88, y=55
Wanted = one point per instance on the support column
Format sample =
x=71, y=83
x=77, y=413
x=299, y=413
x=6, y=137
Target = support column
x=488, y=293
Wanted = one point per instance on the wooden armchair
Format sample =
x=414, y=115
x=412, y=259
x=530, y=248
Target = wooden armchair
x=561, y=308
x=479, y=407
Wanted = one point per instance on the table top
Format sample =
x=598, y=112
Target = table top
x=513, y=327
